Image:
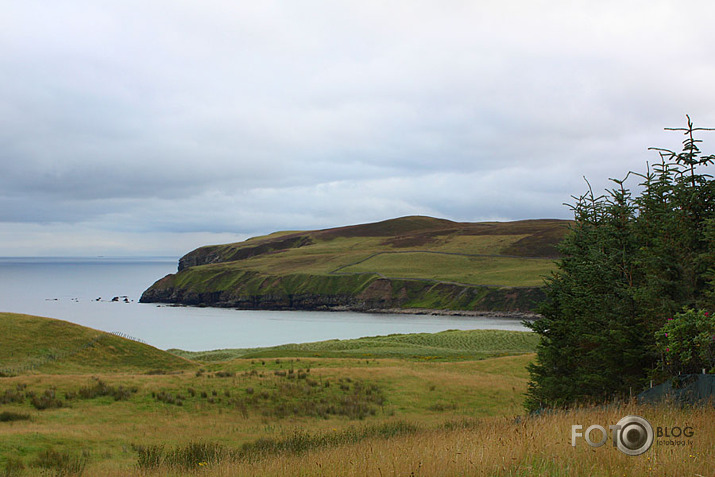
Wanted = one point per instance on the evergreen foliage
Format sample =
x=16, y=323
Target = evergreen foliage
x=628, y=264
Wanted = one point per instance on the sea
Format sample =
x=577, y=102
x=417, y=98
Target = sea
x=103, y=293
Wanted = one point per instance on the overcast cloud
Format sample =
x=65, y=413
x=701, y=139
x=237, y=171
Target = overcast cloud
x=153, y=127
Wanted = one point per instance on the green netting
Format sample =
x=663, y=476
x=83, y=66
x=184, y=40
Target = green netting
x=684, y=389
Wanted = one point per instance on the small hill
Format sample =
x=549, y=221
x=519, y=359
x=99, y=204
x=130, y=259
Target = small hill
x=409, y=262
x=35, y=344
x=526, y=238
x=450, y=344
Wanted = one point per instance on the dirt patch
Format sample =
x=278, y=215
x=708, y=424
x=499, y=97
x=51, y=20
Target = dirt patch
x=379, y=290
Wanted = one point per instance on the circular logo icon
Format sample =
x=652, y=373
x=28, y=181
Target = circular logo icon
x=635, y=435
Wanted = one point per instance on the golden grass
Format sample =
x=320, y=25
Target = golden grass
x=424, y=392
x=502, y=447
x=476, y=433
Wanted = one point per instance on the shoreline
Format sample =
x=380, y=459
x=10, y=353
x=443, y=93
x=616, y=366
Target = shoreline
x=521, y=315
x=437, y=312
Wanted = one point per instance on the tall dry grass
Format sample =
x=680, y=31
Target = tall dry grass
x=497, y=447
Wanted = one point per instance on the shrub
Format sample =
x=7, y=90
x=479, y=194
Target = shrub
x=8, y=416
x=169, y=398
x=101, y=388
x=196, y=454
x=150, y=457
x=687, y=342
x=10, y=396
x=62, y=463
x=190, y=456
x=48, y=400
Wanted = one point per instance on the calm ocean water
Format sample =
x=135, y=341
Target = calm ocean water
x=80, y=290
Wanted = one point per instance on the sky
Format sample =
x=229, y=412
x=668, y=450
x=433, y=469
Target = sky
x=154, y=127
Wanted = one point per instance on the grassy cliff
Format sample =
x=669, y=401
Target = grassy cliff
x=406, y=263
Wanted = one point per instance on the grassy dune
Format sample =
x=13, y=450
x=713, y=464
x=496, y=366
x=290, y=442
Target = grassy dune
x=35, y=344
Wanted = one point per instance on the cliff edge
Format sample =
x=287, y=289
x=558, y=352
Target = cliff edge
x=417, y=263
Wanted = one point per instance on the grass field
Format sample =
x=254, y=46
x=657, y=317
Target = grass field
x=498, y=447
x=446, y=345
x=417, y=404
x=323, y=252
x=459, y=268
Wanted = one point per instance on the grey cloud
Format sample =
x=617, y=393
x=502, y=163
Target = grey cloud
x=180, y=117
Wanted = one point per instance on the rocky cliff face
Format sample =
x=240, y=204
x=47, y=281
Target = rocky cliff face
x=373, y=295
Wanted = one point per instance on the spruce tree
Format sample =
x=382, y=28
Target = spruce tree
x=628, y=264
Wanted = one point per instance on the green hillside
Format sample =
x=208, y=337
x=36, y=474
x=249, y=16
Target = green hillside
x=35, y=344
x=410, y=262
x=450, y=344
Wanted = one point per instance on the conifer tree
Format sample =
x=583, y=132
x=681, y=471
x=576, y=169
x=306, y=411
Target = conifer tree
x=628, y=264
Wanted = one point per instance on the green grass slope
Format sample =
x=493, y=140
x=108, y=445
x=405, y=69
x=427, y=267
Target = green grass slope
x=450, y=345
x=32, y=344
x=366, y=266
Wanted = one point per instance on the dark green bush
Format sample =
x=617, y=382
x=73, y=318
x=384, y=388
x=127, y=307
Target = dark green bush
x=8, y=416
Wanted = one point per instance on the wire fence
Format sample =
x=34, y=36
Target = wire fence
x=124, y=335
